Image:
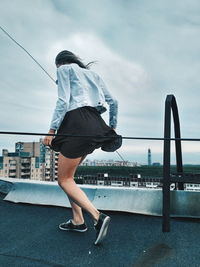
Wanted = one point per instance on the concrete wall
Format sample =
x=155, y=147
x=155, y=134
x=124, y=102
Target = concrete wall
x=134, y=200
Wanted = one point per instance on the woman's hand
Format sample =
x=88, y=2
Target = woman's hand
x=47, y=140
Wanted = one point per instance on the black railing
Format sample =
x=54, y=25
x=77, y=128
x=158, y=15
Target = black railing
x=180, y=177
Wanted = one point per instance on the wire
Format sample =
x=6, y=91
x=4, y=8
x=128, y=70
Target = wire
x=121, y=157
x=27, y=53
x=102, y=136
x=67, y=135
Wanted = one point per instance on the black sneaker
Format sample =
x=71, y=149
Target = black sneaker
x=101, y=227
x=69, y=226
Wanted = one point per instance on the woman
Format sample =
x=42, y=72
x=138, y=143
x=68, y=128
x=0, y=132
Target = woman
x=81, y=99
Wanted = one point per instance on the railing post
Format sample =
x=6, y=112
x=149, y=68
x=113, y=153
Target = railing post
x=166, y=166
x=179, y=163
x=170, y=104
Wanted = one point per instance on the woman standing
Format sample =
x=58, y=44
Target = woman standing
x=82, y=95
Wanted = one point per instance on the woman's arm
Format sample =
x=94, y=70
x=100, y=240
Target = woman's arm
x=113, y=105
x=47, y=140
x=62, y=103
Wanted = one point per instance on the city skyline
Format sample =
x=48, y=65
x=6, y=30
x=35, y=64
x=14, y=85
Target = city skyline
x=91, y=157
x=35, y=148
x=151, y=53
x=35, y=161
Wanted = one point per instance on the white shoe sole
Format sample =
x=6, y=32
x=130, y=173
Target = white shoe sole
x=72, y=230
x=103, y=231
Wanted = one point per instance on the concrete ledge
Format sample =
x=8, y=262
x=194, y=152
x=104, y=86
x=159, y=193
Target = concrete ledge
x=134, y=200
x=5, y=186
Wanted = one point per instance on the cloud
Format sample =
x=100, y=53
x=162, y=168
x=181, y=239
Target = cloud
x=125, y=78
x=145, y=50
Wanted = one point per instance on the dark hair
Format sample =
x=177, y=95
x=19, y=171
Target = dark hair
x=67, y=57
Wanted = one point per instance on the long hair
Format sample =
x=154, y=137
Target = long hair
x=67, y=57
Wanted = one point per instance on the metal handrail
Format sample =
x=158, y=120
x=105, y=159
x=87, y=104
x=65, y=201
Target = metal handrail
x=171, y=105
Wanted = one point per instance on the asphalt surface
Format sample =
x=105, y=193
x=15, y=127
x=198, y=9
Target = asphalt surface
x=29, y=236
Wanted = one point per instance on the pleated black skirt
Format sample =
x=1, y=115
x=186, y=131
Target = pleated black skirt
x=84, y=121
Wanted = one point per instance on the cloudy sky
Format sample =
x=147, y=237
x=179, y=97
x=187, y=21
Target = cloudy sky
x=144, y=49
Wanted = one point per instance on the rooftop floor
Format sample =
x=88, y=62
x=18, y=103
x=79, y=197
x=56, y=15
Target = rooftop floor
x=30, y=236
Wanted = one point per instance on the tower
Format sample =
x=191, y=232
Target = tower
x=149, y=157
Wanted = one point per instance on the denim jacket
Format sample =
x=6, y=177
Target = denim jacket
x=78, y=87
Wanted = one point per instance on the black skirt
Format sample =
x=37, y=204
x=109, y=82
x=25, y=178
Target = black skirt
x=84, y=121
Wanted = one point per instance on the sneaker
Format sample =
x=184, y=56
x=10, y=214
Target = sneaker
x=101, y=227
x=69, y=226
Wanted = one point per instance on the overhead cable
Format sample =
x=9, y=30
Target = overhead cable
x=27, y=53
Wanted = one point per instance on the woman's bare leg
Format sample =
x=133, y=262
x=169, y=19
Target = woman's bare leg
x=66, y=171
x=76, y=210
x=77, y=213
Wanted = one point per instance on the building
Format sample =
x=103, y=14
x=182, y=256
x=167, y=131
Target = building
x=192, y=187
x=33, y=148
x=110, y=162
x=31, y=160
x=51, y=165
x=21, y=165
x=156, y=164
x=149, y=157
x=133, y=180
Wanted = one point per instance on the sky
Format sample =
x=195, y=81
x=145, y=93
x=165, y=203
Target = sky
x=145, y=50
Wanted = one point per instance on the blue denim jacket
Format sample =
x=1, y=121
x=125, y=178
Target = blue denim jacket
x=78, y=87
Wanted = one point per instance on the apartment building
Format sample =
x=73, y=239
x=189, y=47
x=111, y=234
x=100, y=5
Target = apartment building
x=110, y=162
x=51, y=165
x=133, y=180
x=31, y=160
x=21, y=165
